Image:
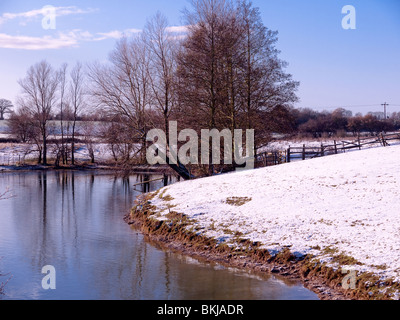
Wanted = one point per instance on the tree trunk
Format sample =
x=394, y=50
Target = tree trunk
x=44, y=148
x=73, y=144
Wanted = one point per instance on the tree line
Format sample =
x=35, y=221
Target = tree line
x=308, y=122
x=223, y=71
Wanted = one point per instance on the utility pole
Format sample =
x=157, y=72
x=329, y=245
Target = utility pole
x=385, y=110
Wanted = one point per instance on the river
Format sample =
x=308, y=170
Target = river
x=73, y=221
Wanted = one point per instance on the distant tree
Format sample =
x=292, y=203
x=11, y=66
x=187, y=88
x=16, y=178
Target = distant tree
x=39, y=97
x=355, y=125
x=372, y=124
x=25, y=129
x=314, y=127
x=89, y=133
x=5, y=107
x=303, y=115
x=338, y=120
x=395, y=118
x=119, y=137
x=77, y=95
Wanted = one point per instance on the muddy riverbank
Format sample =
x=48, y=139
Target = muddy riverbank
x=173, y=234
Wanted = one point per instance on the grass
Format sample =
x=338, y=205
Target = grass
x=237, y=201
x=164, y=197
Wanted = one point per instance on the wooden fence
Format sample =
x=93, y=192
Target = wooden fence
x=10, y=160
x=304, y=152
x=267, y=159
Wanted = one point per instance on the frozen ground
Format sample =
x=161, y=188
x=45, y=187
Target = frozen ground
x=347, y=203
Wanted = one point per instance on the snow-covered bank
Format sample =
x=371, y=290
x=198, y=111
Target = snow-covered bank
x=347, y=204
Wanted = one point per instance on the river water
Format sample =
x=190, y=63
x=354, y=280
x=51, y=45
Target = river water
x=73, y=221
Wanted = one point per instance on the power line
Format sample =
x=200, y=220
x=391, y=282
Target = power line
x=348, y=106
x=385, y=105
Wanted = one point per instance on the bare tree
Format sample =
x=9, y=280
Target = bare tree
x=39, y=89
x=162, y=48
x=63, y=80
x=266, y=89
x=21, y=126
x=24, y=128
x=124, y=86
x=89, y=132
x=200, y=61
x=229, y=71
x=77, y=92
x=119, y=137
x=5, y=107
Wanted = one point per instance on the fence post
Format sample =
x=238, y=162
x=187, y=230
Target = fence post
x=336, y=152
x=322, y=150
x=304, y=152
x=288, y=155
x=383, y=140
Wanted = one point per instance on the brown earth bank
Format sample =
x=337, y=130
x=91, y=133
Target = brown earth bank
x=326, y=282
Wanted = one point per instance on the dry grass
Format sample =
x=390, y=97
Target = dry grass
x=237, y=201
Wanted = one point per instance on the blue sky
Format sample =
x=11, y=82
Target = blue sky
x=356, y=69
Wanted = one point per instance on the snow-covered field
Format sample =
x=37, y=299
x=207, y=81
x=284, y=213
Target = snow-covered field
x=347, y=203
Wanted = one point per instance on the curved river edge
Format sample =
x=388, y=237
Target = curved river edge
x=174, y=234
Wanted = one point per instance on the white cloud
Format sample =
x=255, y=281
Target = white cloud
x=177, y=29
x=116, y=34
x=59, y=11
x=37, y=43
x=62, y=40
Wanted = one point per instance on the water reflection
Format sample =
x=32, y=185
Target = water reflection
x=74, y=221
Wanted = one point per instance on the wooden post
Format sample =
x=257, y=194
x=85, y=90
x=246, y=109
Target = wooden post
x=322, y=150
x=383, y=140
x=288, y=155
x=336, y=152
x=304, y=152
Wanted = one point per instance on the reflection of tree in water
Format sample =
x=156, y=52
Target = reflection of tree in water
x=3, y=196
x=74, y=221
